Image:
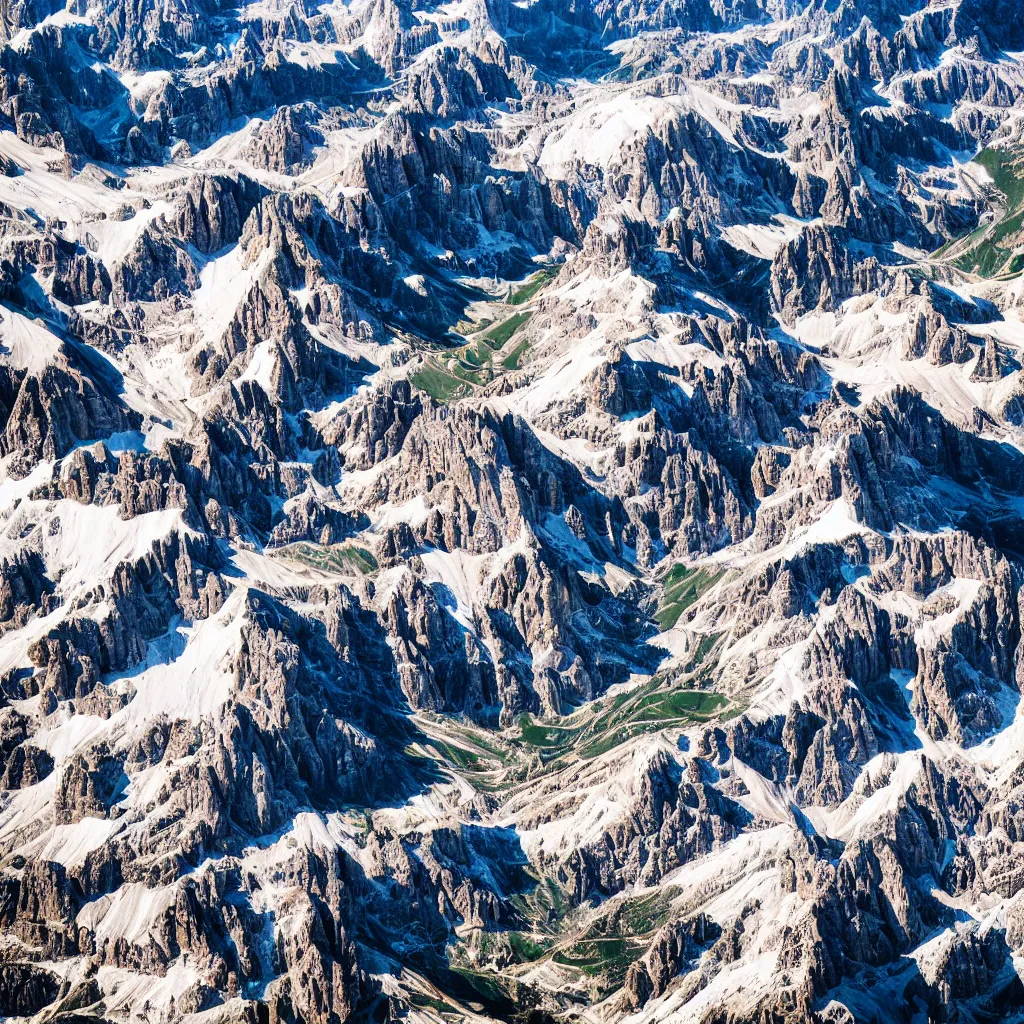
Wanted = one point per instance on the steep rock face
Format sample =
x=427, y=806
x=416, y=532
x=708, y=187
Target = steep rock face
x=45, y=414
x=24, y=763
x=442, y=665
x=674, y=818
x=558, y=642
x=280, y=247
x=285, y=144
x=675, y=948
x=454, y=83
x=683, y=500
x=41, y=907
x=308, y=519
x=156, y=268
x=482, y=477
x=374, y=430
x=818, y=271
x=472, y=202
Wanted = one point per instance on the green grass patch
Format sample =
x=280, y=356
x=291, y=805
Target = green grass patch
x=642, y=915
x=607, y=958
x=478, y=737
x=499, y=948
x=649, y=708
x=469, y=748
x=426, y=1002
x=541, y=735
x=674, y=704
x=527, y=949
x=604, y=725
x=545, y=905
x=703, y=649
x=489, y=986
x=470, y=374
x=683, y=588
x=502, y=333
x=438, y=383
x=616, y=937
x=993, y=250
x=475, y=354
x=513, y=360
x=473, y=364
x=533, y=285
x=345, y=558
x=466, y=328
x=460, y=757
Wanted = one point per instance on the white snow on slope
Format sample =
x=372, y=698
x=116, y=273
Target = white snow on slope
x=599, y=128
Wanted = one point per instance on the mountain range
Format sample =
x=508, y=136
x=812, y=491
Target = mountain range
x=512, y=511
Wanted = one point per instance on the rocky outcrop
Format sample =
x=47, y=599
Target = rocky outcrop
x=441, y=662
x=818, y=271
x=674, y=817
x=44, y=415
x=674, y=949
x=309, y=519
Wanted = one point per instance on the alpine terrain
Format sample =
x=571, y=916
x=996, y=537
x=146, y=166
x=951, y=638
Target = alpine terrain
x=512, y=511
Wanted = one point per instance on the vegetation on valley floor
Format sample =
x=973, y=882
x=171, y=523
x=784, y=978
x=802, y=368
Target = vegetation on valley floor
x=598, y=945
x=683, y=587
x=350, y=559
x=492, y=346
x=533, y=285
x=995, y=249
x=593, y=947
x=494, y=761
